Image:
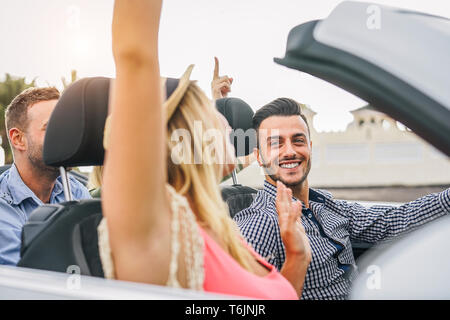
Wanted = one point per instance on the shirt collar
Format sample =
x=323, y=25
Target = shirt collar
x=19, y=190
x=314, y=196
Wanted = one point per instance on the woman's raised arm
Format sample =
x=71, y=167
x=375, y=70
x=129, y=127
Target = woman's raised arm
x=134, y=194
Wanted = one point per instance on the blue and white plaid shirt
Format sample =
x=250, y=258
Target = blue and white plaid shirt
x=330, y=226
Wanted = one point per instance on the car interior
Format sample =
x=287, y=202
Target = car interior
x=60, y=235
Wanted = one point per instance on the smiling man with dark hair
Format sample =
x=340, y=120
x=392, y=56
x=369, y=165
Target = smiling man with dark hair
x=284, y=151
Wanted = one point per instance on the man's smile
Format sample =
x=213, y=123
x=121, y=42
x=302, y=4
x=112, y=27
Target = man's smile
x=290, y=165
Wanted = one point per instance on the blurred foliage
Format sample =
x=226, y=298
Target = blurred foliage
x=10, y=87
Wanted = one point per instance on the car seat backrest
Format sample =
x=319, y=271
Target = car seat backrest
x=60, y=237
x=63, y=235
x=238, y=197
x=74, y=135
x=4, y=168
x=239, y=116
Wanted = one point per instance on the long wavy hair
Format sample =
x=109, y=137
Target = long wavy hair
x=95, y=178
x=199, y=181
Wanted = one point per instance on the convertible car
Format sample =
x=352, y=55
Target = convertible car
x=400, y=65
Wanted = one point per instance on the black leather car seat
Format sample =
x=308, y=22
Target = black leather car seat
x=4, y=168
x=63, y=235
x=239, y=116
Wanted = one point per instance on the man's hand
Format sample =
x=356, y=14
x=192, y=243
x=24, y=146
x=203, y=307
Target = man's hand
x=220, y=86
x=292, y=232
x=296, y=243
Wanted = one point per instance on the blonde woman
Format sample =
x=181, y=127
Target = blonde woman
x=166, y=223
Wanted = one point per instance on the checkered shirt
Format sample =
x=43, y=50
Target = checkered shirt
x=331, y=225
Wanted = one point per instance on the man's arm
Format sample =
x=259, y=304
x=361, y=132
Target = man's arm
x=378, y=223
x=10, y=234
x=259, y=231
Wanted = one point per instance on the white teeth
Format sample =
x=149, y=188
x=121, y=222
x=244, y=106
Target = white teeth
x=290, y=165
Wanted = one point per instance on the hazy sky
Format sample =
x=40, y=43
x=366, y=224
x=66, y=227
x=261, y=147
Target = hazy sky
x=45, y=39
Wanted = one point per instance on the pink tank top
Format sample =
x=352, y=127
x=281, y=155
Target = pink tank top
x=226, y=276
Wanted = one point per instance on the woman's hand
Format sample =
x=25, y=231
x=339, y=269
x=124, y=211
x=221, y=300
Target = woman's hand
x=220, y=86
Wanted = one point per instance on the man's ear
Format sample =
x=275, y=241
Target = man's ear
x=18, y=139
x=257, y=156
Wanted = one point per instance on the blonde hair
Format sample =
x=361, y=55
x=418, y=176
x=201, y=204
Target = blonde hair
x=95, y=177
x=199, y=182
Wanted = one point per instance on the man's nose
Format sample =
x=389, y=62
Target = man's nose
x=289, y=149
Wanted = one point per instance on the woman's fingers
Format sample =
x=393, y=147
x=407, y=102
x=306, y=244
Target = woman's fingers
x=223, y=79
x=224, y=85
x=220, y=85
x=216, y=68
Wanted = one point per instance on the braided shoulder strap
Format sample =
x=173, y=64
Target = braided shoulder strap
x=184, y=227
x=105, y=250
x=183, y=220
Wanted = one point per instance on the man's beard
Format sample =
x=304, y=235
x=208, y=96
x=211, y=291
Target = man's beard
x=276, y=177
x=36, y=159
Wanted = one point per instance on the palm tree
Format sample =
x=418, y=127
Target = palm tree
x=9, y=89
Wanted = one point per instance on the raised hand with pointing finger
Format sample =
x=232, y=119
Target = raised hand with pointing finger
x=220, y=86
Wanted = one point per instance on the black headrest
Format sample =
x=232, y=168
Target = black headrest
x=74, y=135
x=239, y=115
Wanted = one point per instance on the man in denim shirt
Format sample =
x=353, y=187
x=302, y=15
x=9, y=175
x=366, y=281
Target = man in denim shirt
x=29, y=183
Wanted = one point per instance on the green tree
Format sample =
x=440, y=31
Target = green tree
x=9, y=89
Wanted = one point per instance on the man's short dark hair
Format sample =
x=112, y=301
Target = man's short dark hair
x=279, y=107
x=16, y=112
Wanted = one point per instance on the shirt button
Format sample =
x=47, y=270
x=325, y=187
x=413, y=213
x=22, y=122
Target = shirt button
x=309, y=215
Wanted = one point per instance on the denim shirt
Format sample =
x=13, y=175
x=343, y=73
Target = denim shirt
x=17, y=202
